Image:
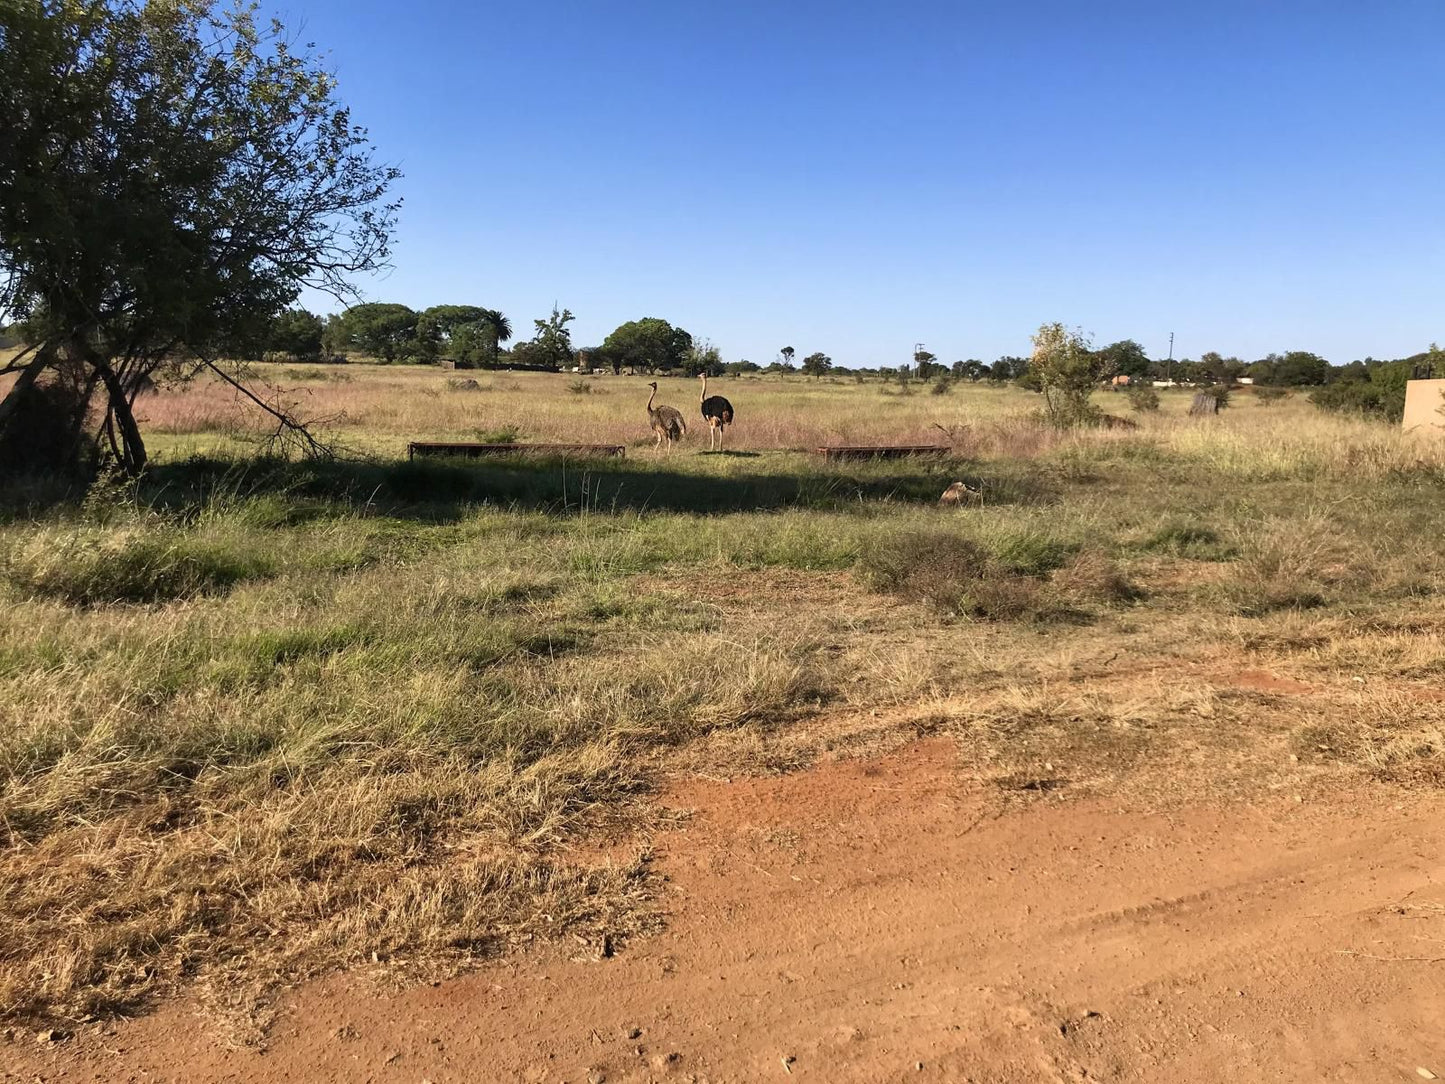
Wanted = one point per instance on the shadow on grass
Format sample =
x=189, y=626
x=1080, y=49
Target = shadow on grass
x=439, y=490
x=442, y=490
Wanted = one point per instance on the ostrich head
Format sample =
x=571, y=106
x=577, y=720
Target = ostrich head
x=653, y=385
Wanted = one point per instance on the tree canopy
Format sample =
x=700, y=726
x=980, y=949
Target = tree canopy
x=1067, y=372
x=296, y=333
x=815, y=365
x=378, y=329
x=649, y=343
x=171, y=176
x=1125, y=358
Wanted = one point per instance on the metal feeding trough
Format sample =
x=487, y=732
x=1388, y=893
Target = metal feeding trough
x=880, y=451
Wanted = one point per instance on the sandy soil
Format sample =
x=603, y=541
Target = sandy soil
x=888, y=920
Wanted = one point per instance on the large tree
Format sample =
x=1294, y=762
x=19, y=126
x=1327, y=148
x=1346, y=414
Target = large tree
x=649, y=343
x=815, y=365
x=172, y=175
x=1125, y=358
x=551, y=345
x=468, y=333
x=296, y=333
x=379, y=329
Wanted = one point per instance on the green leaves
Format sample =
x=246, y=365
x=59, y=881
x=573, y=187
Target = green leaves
x=649, y=343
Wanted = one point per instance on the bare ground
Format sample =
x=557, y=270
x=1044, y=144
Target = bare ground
x=891, y=918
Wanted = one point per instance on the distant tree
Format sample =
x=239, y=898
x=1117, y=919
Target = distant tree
x=1067, y=372
x=972, y=369
x=924, y=363
x=296, y=333
x=1218, y=369
x=552, y=343
x=1354, y=372
x=449, y=330
x=382, y=330
x=499, y=330
x=816, y=365
x=786, y=353
x=1008, y=368
x=1263, y=370
x=1125, y=358
x=650, y=343
x=172, y=174
x=1382, y=396
x=703, y=357
x=1300, y=367
x=743, y=366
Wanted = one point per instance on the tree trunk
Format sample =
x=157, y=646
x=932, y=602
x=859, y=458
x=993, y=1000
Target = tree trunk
x=131, y=452
x=28, y=376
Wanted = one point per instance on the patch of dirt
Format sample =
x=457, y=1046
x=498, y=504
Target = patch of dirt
x=880, y=919
x=1262, y=681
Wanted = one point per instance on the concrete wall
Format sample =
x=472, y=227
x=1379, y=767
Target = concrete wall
x=1424, y=400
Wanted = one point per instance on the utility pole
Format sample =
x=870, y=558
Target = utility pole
x=917, y=349
x=1169, y=365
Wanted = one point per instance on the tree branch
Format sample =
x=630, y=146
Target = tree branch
x=287, y=426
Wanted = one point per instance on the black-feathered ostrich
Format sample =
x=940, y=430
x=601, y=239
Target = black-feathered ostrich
x=666, y=421
x=718, y=413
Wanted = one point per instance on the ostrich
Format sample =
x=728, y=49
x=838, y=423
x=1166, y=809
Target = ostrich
x=718, y=413
x=666, y=421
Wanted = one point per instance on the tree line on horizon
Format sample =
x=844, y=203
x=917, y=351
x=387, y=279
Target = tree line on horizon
x=473, y=336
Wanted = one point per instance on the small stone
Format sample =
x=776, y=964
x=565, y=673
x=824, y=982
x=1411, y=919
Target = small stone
x=634, y=1033
x=918, y=1066
x=787, y=1060
x=1422, y=1071
x=596, y=1076
x=49, y=1035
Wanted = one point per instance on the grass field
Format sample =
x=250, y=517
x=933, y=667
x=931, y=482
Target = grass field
x=259, y=719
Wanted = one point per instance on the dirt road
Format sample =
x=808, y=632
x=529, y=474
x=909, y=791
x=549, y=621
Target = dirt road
x=886, y=920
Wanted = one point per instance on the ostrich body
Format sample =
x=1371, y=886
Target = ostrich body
x=666, y=421
x=718, y=413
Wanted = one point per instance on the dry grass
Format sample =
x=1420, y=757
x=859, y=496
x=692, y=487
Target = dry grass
x=262, y=721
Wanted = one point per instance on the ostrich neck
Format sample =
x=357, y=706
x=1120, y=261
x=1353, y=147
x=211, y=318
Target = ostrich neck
x=650, y=398
x=703, y=396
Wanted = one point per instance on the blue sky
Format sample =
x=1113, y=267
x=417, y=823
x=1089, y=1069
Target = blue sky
x=856, y=177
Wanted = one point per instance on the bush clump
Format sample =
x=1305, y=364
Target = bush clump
x=1143, y=398
x=960, y=577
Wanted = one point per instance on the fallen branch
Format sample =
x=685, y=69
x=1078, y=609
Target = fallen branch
x=288, y=429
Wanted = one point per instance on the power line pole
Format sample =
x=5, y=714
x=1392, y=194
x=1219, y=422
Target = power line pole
x=1169, y=365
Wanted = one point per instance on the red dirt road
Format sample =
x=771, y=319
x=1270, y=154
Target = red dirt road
x=887, y=920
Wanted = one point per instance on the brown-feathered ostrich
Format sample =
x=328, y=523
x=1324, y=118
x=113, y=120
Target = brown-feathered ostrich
x=666, y=421
x=718, y=413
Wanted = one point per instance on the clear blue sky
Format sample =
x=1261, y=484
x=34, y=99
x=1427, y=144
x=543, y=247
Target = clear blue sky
x=855, y=177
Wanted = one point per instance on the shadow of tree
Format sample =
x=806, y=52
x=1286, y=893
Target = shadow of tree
x=441, y=490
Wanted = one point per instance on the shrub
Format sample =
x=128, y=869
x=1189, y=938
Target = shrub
x=1143, y=398
x=580, y=387
x=1270, y=396
x=1067, y=372
x=958, y=576
x=942, y=386
x=1382, y=396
